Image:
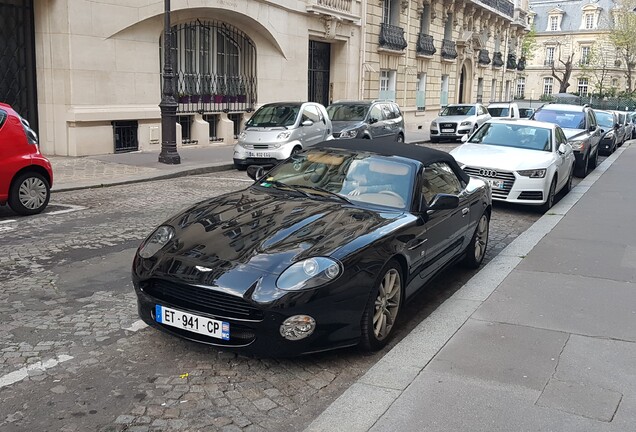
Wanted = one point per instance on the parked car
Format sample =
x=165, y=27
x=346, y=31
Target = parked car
x=610, y=128
x=366, y=119
x=622, y=127
x=525, y=161
x=319, y=253
x=580, y=127
x=457, y=120
x=525, y=112
x=26, y=175
x=504, y=110
x=632, y=116
x=625, y=122
x=278, y=130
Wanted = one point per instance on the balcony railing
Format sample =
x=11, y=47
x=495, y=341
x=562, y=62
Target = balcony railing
x=512, y=61
x=449, y=52
x=340, y=5
x=392, y=37
x=387, y=95
x=506, y=7
x=484, y=57
x=497, y=59
x=341, y=9
x=425, y=44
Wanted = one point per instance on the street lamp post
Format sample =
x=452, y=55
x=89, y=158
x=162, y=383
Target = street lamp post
x=168, y=104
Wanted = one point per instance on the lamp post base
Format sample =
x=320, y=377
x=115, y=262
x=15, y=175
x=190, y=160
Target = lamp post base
x=170, y=158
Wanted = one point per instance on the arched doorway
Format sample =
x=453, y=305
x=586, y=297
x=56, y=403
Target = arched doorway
x=464, y=83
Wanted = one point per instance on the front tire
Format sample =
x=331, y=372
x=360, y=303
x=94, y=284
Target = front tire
x=383, y=308
x=568, y=184
x=400, y=138
x=549, y=201
x=582, y=170
x=476, y=249
x=594, y=160
x=29, y=194
x=434, y=140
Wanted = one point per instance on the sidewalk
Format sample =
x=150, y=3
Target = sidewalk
x=71, y=173
x=543, y=338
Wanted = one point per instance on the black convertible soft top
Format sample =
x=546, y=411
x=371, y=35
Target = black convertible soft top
x=388, y=147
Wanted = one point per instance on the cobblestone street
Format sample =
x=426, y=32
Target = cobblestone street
x=75, y=356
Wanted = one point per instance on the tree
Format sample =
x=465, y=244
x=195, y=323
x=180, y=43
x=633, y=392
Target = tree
x=623, y=36
x=529, y=44
x=598, y=65
x=561, y=68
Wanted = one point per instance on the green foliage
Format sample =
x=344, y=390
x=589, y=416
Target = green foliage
x=546, y=98
x=529, y=44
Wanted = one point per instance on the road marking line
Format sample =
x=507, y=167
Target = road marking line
x=8, y=221
x=6, y=229
x=136, y=326
x=72, y=208
x=21, y=374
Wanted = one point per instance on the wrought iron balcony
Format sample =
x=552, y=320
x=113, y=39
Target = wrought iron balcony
x=521, y=65
x=425, y=44
x=484, y=57
x=505, y=7
x=497, y=59
x=512, y=61
x=392, y=37
x=449, y=52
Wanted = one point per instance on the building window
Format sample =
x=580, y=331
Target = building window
x=391, y=12
x=548, y=83
x=614, y=82
x=493, y=90
x=521, y=87
x=448, y=27
x=554, y=23
x=585, y=55
x=583, y=83
x=589, y=21
x=388, y=79
x=480, y=90
x=420, y=95
x=425, y=23
x=443, y=98
x=549, y=56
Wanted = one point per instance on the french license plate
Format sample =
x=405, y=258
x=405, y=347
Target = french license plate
x=448, y=130
x=497, y=184
x=259, y=154
x=194, y=323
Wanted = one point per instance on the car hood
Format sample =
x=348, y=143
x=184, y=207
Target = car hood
x=501, y=158
x=455, y=119
x=268, y=231
x=573, y=134
x=339, y=126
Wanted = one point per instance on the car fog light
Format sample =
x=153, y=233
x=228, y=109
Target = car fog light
x=297, y=327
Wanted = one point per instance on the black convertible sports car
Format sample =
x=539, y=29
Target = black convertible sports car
x=320, y=252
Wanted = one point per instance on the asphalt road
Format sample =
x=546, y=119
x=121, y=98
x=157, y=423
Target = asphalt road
x=74, y=357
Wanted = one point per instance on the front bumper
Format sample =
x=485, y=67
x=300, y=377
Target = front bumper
x=606, y=144
x=513, y=188
x=270, y=156
x=457, y=134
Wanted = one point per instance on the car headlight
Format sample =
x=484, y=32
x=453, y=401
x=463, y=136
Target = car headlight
x=533, y=173
x=352, y=133
x=310, y=273
x=157, y=240
x=434, y=124
x=242, y=136
x=283, y=135
x=466, y=123
x=610, y=134
x=576, y=145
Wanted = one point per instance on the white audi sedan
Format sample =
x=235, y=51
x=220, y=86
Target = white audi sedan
x=525, y=161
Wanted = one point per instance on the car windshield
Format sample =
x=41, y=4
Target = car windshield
x=361, y=178
x=605, y=119
x=565, y=119
x=513, y=135
x=347, y=112
x=499, y=112
x=274, y=116
x=458, y=110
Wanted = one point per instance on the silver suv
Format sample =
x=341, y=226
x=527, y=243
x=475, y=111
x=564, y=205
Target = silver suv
x=457, y=120
x=278, y=130
x=581, y=129
x=366, y=119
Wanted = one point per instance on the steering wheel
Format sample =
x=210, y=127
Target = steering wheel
x=396, y=195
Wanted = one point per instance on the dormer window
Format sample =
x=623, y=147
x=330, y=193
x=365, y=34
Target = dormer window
x=555, y=16
x=589, y=16
x=554, y=23
x=589, y=21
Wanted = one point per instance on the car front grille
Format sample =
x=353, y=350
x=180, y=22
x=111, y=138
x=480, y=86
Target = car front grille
x=446, y=127
x=202, y=299
x=336, y=134
x=491, y=176
x=261, y=146
x=531, y=195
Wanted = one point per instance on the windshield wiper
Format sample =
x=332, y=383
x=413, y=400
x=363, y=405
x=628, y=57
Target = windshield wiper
x=330, y=193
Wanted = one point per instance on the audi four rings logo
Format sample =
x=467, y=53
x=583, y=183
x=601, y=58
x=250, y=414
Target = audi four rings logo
x=487, y=173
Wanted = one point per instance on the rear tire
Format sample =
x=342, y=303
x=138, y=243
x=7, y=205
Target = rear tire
x=29, y=193
x=476, y=249
x=383, y=308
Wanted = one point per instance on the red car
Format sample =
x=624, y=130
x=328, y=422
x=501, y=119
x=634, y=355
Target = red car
x=25, y=174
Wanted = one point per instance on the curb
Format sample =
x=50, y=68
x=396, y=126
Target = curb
x=144, y=178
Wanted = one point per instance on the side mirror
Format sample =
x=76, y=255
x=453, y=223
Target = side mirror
x=616, y=125
x=255, y=172
x=592, y=128
x=444, y=202
x=373, y=120
x=562, y=149
x=307, y=123
x=464, y=138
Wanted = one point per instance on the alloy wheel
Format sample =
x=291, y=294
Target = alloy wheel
x=481, y=238
x=387, y=304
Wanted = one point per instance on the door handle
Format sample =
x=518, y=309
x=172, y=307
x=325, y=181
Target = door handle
x=465, y=211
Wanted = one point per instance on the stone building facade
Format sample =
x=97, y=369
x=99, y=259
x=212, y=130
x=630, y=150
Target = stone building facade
x=88, y=73
x=578, y=29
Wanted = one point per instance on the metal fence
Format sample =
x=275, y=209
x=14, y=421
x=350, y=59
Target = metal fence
x=605, y=103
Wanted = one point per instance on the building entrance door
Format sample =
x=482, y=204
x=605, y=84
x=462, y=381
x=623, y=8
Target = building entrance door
x=319, y=62
x=17, y=58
